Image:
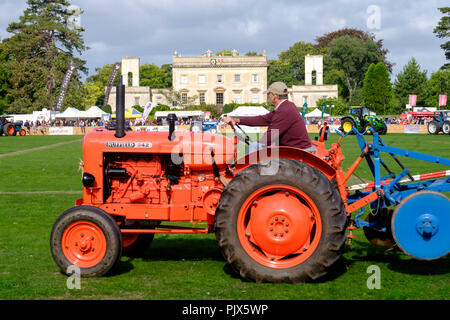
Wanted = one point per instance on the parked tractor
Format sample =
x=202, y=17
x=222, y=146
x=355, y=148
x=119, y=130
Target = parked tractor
x=361, y=119
x=280, y=214
x=9, y=128
x=440, y=122
x=202, y=126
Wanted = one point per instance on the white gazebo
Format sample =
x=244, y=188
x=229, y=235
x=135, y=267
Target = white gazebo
x=69, y=113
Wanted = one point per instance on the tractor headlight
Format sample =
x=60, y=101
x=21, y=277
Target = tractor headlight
x=88, y=180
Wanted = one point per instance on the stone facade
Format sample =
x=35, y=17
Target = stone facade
x=221, y=79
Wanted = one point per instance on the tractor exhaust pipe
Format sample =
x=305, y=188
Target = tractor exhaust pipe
x=120, y=109
x=171, y=119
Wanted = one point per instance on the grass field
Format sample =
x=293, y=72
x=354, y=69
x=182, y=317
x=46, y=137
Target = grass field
x=179, y=266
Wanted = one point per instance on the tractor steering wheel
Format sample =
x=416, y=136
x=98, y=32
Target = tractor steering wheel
x=240, y=136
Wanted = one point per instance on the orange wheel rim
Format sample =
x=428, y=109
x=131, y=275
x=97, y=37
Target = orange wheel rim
x=22, y=132
x=84, y=244
x=279, y=226
x=129, y=238
x=10, y=130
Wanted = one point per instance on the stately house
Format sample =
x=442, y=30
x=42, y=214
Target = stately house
x=219, y=79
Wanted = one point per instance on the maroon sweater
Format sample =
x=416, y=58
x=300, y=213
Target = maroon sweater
x=289, y=122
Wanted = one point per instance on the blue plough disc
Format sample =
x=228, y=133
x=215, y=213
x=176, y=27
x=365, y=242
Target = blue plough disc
x=421, y=225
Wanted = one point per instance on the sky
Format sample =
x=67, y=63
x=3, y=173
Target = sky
x=154, y=29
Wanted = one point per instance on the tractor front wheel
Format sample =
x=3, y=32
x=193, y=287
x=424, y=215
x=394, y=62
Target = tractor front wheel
x=86, y=237
x=283, y=227
x=347, y=125
x=446, y=127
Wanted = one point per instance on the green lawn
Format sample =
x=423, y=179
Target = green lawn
x=181, y=266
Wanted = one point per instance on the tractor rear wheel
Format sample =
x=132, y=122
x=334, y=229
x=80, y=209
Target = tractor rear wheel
x=8, y=129
x=433, y=127
x=446, y=127
x=135, y=243
x=87, y=237
x=283, y=227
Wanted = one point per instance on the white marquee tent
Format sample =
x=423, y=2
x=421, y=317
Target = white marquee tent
x=316, y=113
x=248, y=112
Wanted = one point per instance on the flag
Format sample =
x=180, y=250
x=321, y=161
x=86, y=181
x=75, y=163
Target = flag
x=323, y=108
x=442, y=100
x=112, y=78
x=147, y=109
x=305, y=105
x=412, y=100
x=64, y=85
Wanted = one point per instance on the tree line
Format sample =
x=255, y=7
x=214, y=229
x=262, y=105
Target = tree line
x=34, y=59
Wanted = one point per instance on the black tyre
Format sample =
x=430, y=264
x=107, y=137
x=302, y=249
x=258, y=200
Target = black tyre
x=283, y=227
x=370, y=129
x=446, y=127
x=196, y=128
x=87, y=237
x=433, y=127
x=347, y=124
x=136, y=244
x=383, y=129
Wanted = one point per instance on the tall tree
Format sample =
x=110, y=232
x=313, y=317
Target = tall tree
x=41, y=48
x=325, y=41
x=439, y=83
x=353, y=57
x=442, y=30
x=411, y=80
x=377, y=89
x=290, y=65
x=4, y=78
x=153, y=76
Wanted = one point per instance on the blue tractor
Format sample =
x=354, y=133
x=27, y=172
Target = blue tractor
x=440, y=122
x=9, y=128
x=202, y=126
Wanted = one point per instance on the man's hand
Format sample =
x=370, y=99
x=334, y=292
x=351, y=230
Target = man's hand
x=229, y=120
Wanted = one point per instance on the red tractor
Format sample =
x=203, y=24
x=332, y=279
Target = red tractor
x=279, y=215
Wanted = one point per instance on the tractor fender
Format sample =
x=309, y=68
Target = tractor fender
x=288, y=153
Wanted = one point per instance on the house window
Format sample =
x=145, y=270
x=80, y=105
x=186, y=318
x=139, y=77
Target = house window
x=219, y=98
x=184, y=79
x=219, y=78
x=237, y=78
x=159, y=100
x=255, y=98
x=202, y=97
x=202, y=79
x=184, y=98
x=254, y=78
x=136, y=101
x=237, y=97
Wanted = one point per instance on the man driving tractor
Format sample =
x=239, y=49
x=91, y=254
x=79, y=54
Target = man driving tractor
x=285, y=124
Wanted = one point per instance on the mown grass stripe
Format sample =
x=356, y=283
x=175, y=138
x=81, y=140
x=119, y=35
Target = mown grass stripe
x=40, y=192
x=17, y=153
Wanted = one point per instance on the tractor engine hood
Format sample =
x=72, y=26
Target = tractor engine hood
x=192, y=149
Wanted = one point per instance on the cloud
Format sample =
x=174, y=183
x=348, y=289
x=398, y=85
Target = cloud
x=154, y=29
